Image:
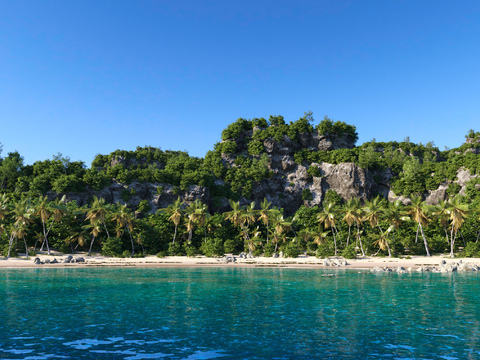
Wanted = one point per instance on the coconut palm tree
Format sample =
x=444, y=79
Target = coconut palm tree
x=43, y=210
x=458, y=212
x=175, y=211
x=282, y=227
x=80, y=237
x=55, y=209
x=394, y=213
x=97, y=213
x=442, y=213
x=373, y=210
x=95, y=230
x=125, y=221
x=350, y=210
x=327, y=218
x=23, y=214
x=419, y=211
x=264, y=213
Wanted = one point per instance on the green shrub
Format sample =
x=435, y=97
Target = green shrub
x=291, y=250
x=268, y=250
x=314, y=171
x=144, y=206
x=190, y=250
x=258, y=252
x=161, y=254
x=325, y=250
x=307, y=195
x=472, y=250
x=175, y=249
x=229, y=246
x=127, y=254
x=112, y=247
x=65, y=248
x=139, y=255
x=349, y=252
x=213, y=247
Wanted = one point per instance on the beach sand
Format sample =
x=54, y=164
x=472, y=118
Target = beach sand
x=202, y=261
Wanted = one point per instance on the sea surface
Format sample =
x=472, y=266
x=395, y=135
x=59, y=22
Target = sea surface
x=237, y=313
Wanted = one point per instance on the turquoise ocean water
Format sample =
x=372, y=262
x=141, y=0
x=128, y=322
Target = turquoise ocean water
x=237, y=313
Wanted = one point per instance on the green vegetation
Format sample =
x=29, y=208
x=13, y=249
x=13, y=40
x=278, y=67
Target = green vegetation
x=33, y=213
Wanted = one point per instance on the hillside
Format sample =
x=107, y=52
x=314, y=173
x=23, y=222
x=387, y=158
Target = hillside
x=290, y=165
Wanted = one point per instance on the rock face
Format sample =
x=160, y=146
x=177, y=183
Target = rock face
x=158, y=195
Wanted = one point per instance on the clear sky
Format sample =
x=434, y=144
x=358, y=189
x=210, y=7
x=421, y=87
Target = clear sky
x=84, y=77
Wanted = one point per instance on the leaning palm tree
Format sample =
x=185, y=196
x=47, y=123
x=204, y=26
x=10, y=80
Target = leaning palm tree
x=350, y=211
x=373, y=210
x=443, y=215
x=327, y=218
x=458, y=212
x=175, y=212
x=419, y=212
x=23, y=214
x=125, y=221
x=282, y=227
x=201, y=215
x=235, y=216
x=80, y=237
x=395, y=215
x=97, y=213
x=55, y=209
x=264, y=213
x=95, y=230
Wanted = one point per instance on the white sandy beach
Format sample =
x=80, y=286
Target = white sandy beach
x=202, y=261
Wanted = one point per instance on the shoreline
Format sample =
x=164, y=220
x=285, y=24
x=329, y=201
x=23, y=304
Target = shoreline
x=305, y=262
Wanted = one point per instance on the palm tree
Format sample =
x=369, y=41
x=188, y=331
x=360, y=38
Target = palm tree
x=97, y=213
x=395, y=214
x=264, y=213
x=95, y=231
x=419, y=212
x=80, y=237
x=458, y=212
x=23, y=213
x=282, y=227
x=175, y=212
x=327, y=218
x=443, y=215
x=201, y=215
x=350, y=211
x=45, y=210
x=373, y=210
x=236, y=216
x=124, y=221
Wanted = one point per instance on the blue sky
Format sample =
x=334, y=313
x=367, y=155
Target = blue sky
x=86, y=77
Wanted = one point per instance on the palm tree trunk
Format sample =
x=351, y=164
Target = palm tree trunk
x=131, y=240
x=386, y=241
x=10, y=243
x=205, y=232
x=424, y=239
x=91, y=244
x=446, y=235
x=105, y=226
x=26, y=248
x=452, y=242
x=416, y=235
x=334, y=240
x=267, y=231
x=175, y=234
x=360, y=240
x=348, y=238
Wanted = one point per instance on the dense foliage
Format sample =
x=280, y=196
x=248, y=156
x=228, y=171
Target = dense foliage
x=231, y=171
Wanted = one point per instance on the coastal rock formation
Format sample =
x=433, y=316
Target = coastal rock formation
x=443, y=267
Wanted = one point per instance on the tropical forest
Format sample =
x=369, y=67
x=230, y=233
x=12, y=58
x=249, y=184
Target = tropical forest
x=268, y=188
